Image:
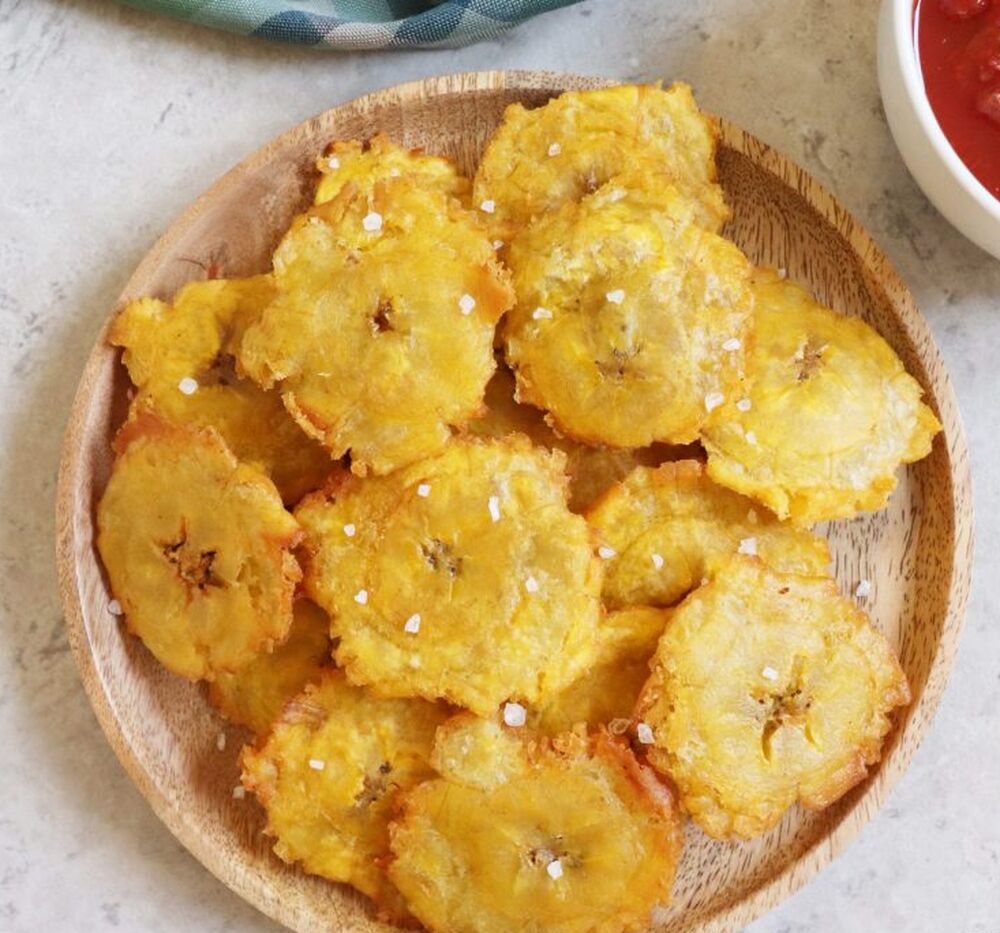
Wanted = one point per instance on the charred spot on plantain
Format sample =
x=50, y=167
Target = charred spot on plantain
x=193, y=567
x=381, y=321
x=439, y=556
x=808, y=359
x=220, y=372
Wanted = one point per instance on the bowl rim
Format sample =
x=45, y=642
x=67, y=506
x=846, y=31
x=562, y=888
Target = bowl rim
x=904, y=22
x=919, y=715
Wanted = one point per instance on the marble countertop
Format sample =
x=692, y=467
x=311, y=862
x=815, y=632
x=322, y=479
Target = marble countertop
x=111, y=121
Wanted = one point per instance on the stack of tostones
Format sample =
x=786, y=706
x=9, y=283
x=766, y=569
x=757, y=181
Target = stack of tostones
x=573, y=836
x=256, y=694
x=767, y=688
x=540, y=159
x=631, y=320
x=464, y=576
x=198, y=548
x=454, y=650
x=181, y=358
x=669, y=528
x=380, y=335
x=328, y=775
x=826, y=417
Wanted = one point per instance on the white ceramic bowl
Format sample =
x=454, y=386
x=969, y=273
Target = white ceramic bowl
x=951, y=187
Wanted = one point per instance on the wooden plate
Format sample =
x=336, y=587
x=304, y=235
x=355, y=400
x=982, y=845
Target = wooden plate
x=916, y=552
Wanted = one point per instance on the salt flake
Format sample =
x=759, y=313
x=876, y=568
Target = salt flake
x=713, y=400
x=863, y=589
x=239, y=792
x=350, y=530
x=412, y=624
x=733, y=343
x=424, y=490
x=769, y=673
x=333, y=162
x=361, y=597
x=466, y=303
x=554, y=150
x=748, y=546
x=657, y=561
x=372, y=222
x=540, y=313
x=317, y=764
x=644, y=733
x=115, y=607
x=555, y=869
x=514, y=715
x=616, y=297
x=188, y=385
x=220, y=741
x=531, y=585
x=605, y=552
x=744, y=404
x=494, y=507
x=488, y=206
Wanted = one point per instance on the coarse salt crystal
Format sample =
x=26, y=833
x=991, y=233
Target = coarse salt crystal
x=782, y=273
x=494, y=507
x=372, y=222
x=644, y=733
x=498, y=244
x=555, y=869
x=488, y=206
x=394, y=173
x=220, y=741
x=412, y=624
x=864, y=588
x=424, y=490
x=744, y=404
x=317, y=764
x=333, y=162
x=748, y=546
x=531, y=585
x=350, y=530
x=361, y=597
x=115, y=607
x=713, y=400
x=605, y=552
x=466, y=303
x=769, y=673
x=751, y=438
x=188, y=385
x=239, y=792
x=554, y=149
x=540, y=313
x=514, y=715
x=733, y=343
x=616, y=297
x=657, y=561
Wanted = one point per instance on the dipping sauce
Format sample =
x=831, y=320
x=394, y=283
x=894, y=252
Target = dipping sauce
x=959, y=46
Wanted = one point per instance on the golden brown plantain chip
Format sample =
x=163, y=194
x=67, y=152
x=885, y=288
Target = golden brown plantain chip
x=572, y=836
x=606, y=695
x=592, y=471
x=197, y=547
x=380, y=336
x=540, y=159
x=180, y=356
x=631, y=320
x=463, y=576
x=255, y=695
x=364, y=164
x=669, y=528
x=826, y=417
x=767, y=688
x=327, y=776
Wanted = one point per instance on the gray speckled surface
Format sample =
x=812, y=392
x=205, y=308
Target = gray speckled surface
x=111, y=121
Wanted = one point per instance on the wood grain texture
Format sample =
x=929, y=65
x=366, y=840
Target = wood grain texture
x=916, y=553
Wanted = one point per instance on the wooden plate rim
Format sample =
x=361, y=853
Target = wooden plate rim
x=825, y=849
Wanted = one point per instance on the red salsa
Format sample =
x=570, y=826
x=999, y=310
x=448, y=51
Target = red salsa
x=959, y=44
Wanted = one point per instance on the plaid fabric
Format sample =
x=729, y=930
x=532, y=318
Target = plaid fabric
x=358, y=24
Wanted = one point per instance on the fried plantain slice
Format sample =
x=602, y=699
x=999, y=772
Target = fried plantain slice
x=606, y=695
x=197, y=547
x=669, y=528
x=540, y=159
x=463, y=576
x=827, y=416
x=592, y=471
x=364, y=164
x=255, y=695
x=572, y=835
x=180, y=357
x=381, y=332
x=328, y=773
x=767, y=688
x=631, y=321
